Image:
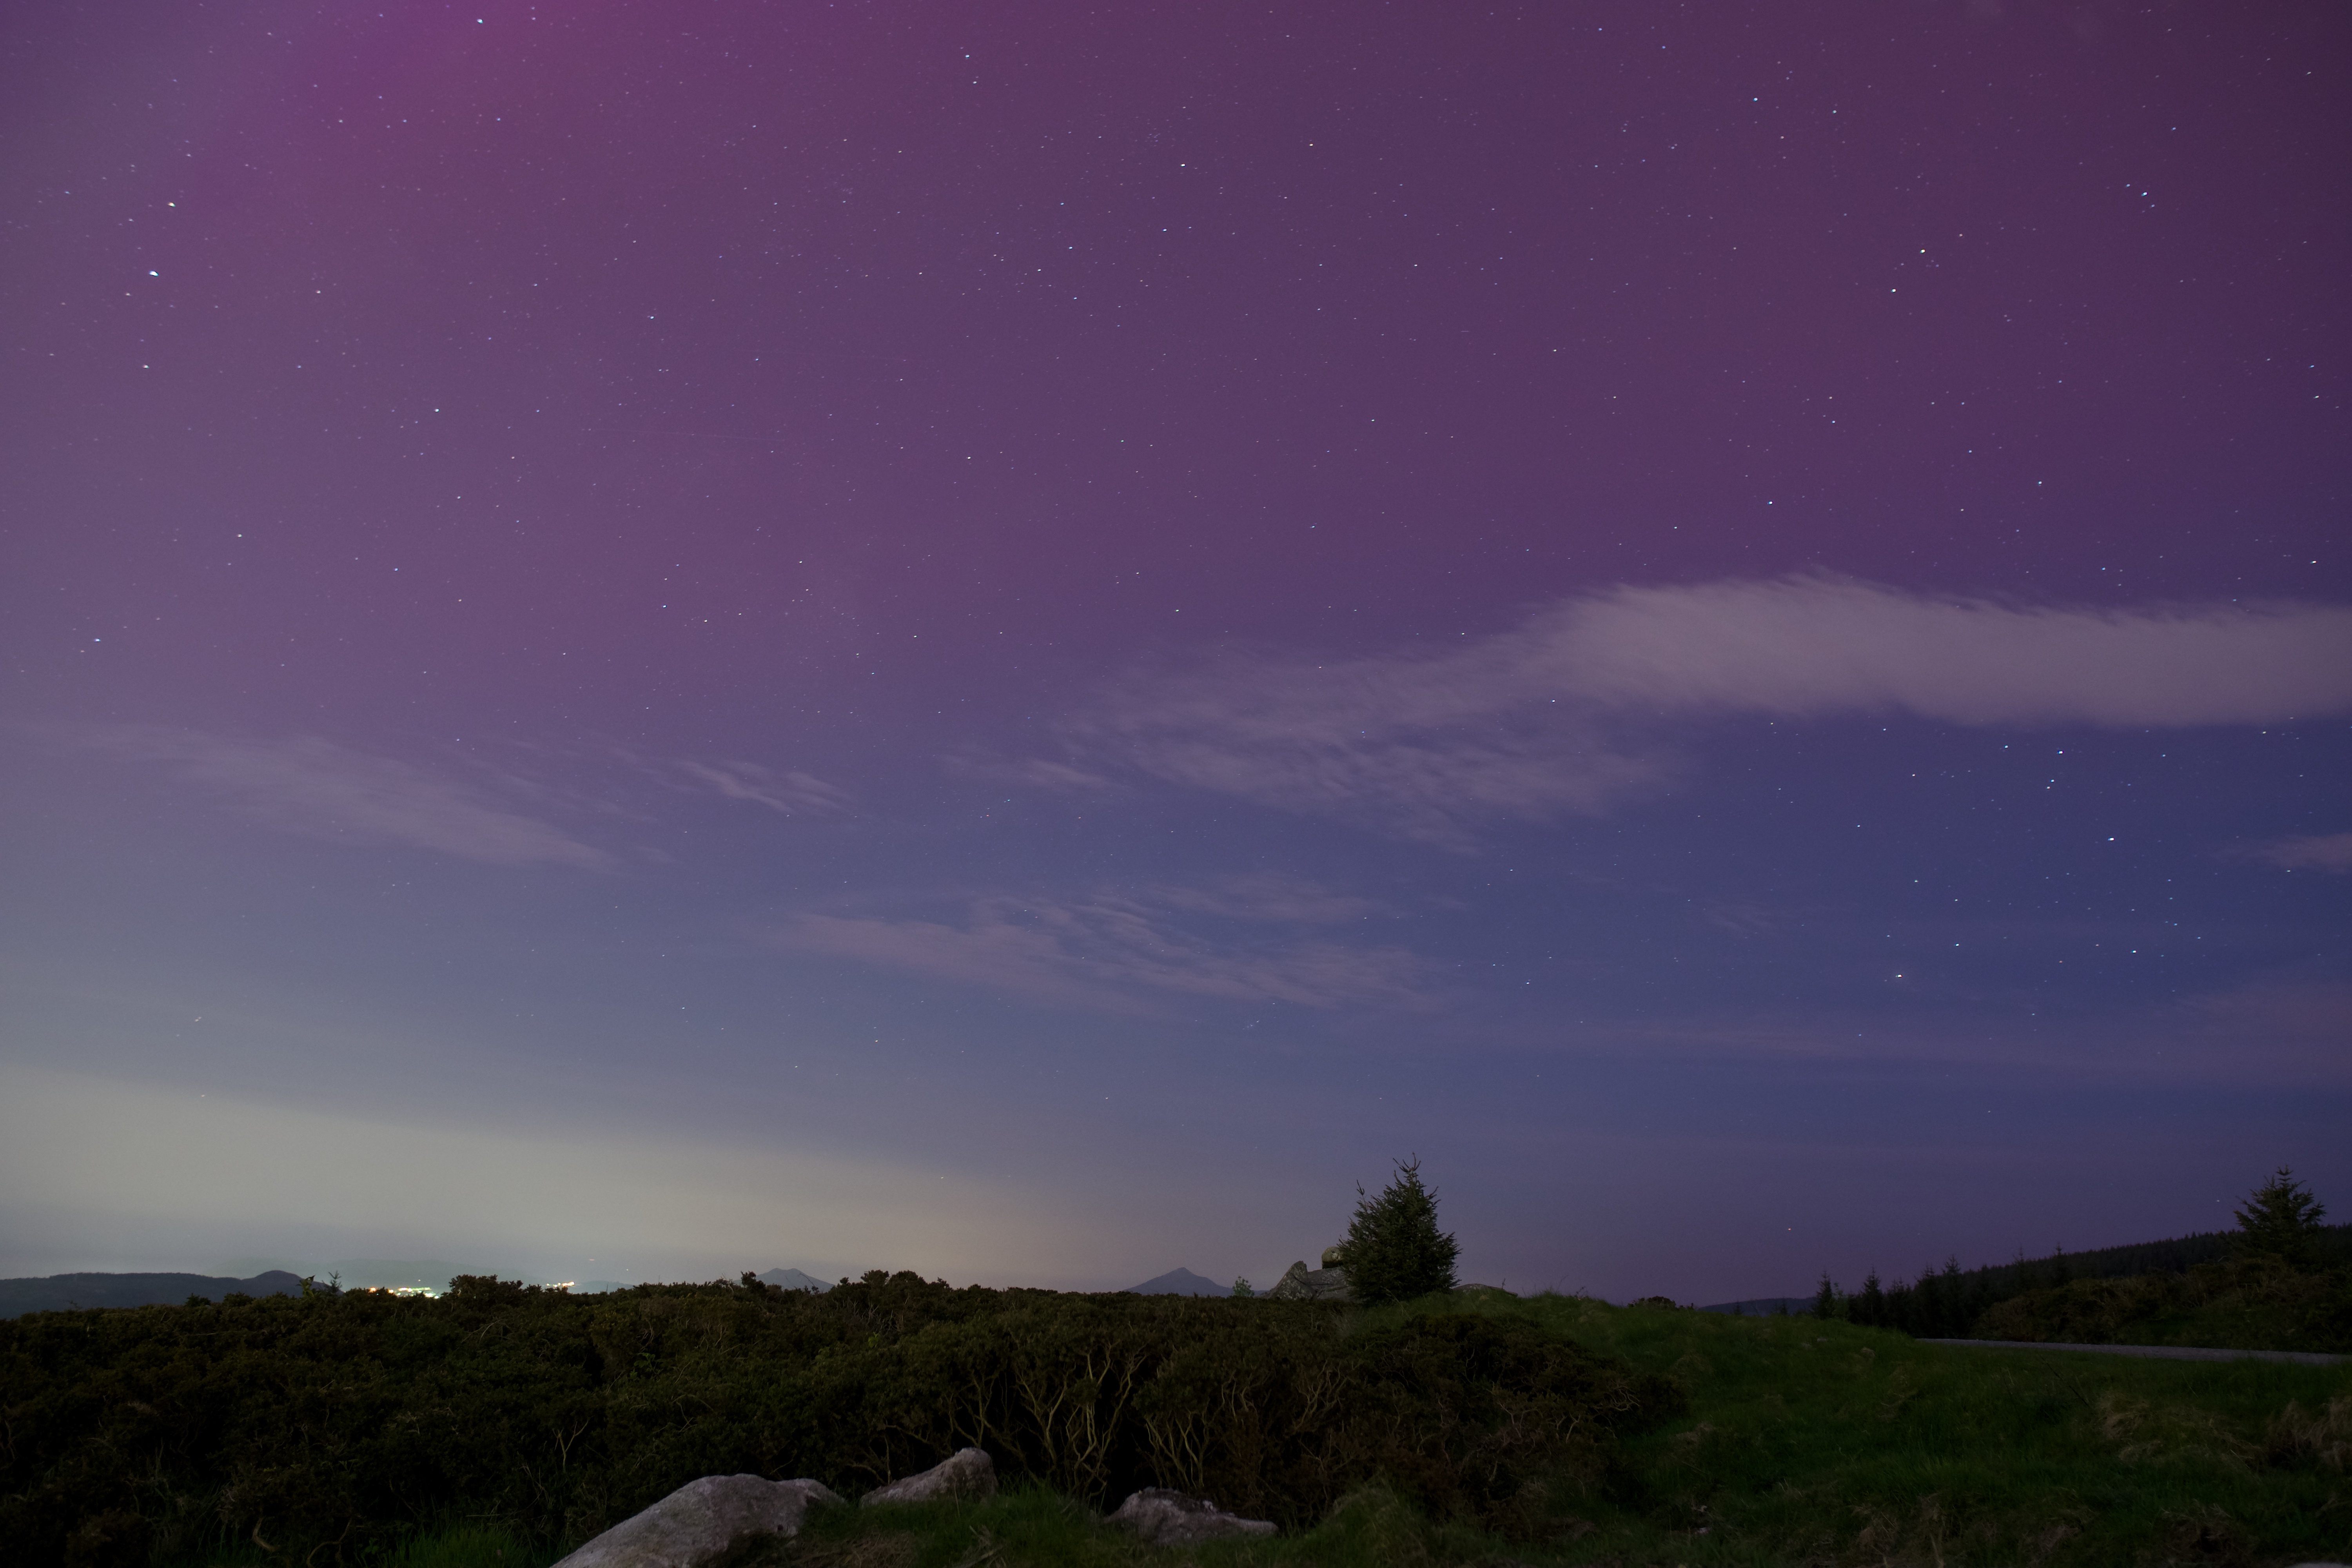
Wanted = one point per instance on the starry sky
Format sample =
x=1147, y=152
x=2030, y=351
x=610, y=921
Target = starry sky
x=644, y=639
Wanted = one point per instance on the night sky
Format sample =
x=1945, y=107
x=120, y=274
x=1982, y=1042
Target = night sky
x=639, y=640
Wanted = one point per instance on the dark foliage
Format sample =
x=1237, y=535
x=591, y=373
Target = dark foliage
x=1394, y=1251
x=2257, y=1302
x=1483, y=1417
x=2281, y=1219
x=2278, y=1222
x=329, y=1427
x=1948, y=1303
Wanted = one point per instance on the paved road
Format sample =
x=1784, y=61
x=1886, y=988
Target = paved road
x=2162, y=1352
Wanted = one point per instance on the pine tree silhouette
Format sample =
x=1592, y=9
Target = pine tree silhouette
x=1394, y=1250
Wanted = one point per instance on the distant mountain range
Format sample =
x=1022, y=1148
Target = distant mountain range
x=65, y=1292
x=1180, y=1282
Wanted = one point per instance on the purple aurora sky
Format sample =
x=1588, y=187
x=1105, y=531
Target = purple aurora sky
x=645, y=639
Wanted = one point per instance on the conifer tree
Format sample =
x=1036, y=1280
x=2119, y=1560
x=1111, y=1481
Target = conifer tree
x=2280, y=1218
x=1394, y=1250
x=1870, y=1307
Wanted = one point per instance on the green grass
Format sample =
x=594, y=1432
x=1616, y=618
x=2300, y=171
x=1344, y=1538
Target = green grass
x=1819, y=1442
x=1810, y=1443
x=1805, y=1442
x=471, y=1545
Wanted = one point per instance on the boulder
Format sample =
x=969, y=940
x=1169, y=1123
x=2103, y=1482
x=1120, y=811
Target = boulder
x=967, y=1472
x=1166, y=1518
x=704, y=1523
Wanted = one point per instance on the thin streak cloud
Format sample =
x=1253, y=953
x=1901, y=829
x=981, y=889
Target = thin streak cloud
x=2319, y=852
x=1809, y=647
x=789, y=792
x=1560, y=713
x=1112, y=951
x=314, y=788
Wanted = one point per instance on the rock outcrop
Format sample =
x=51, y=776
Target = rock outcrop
x=1166, y=1518
x=966, y=1473
x=1300, y=1283
x=704, y=1523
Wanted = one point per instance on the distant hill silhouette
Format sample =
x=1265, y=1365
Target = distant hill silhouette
x=1180, y=1282
x=63, y=1292
x=1763, y=1306
x=794, y=1279
x=2176, y=1255
x=369, y=1273
x=1994, y=1281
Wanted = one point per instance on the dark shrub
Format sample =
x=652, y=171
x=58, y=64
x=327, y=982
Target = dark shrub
x=151, y=1433
x=1465, y=1413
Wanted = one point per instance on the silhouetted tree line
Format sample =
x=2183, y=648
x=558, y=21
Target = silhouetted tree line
x=2279, y=1223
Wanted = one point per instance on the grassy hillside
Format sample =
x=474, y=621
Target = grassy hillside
x=1531, y=1432
x=2209, y=1286
x=2254, y=1303
x=1818, y=1444
x=1824, y=1443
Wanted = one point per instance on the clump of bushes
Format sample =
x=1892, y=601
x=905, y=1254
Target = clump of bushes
x=351, y=1420
x=2256, y=1302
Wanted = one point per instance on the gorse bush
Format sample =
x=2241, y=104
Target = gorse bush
x=349, y=1421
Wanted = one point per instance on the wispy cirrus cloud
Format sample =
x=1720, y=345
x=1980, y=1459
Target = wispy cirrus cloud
x=1037, y=773
x=791, y=792
x=1543, y=718
x=1813, y=646
x=1269, y=896
x=2319, y=852
x=1113, y=950
x=319, y=788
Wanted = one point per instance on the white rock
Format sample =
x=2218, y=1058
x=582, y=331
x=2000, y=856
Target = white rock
x=703, y=1523
x=1166, y=1518
x=967, y=1472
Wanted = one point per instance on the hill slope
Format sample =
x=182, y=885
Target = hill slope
x=65, y=1292
x=1180, y=1282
